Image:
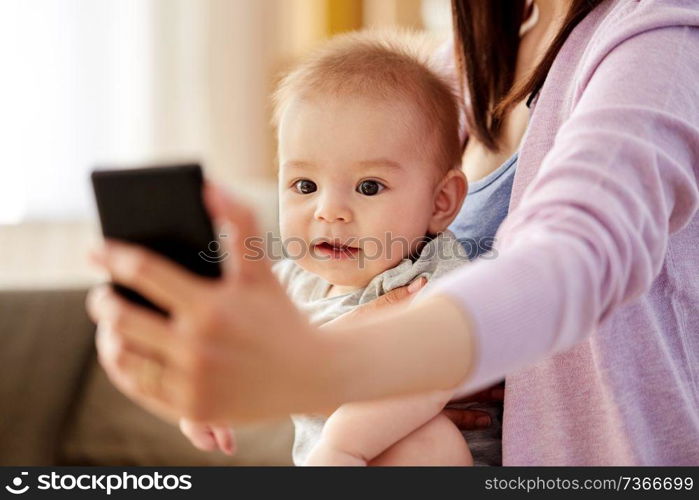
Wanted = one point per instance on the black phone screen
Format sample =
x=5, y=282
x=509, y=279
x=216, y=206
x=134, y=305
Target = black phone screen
x=160, y=208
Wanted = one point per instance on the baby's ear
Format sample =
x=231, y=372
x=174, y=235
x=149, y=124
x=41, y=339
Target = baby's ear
x=449, y=195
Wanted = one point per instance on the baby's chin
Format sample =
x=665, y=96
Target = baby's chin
x=355, y=274
x=345, y=278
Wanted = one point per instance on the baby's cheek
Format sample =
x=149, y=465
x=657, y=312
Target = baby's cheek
x=386, y=250
x=372, y=249
x=292, y=240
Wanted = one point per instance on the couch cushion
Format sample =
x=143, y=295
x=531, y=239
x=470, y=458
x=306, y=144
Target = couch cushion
x=108, y=429
x=57, y=406
x=47, y=341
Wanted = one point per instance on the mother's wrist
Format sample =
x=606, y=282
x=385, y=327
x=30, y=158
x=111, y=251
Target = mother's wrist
x=422, y=346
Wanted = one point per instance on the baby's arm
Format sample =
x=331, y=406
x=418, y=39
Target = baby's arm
x=357, y=433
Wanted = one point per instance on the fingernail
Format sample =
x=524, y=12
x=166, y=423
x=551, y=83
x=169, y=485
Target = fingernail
x=483, y=422
x=416, y=285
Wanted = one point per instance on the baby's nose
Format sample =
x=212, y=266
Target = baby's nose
x=332, y=209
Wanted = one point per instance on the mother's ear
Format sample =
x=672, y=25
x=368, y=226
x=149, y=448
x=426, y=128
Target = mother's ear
x=449, y=195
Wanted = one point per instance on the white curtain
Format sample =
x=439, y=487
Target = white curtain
x=114, y=82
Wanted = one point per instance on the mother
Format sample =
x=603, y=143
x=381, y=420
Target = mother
x=589, y=309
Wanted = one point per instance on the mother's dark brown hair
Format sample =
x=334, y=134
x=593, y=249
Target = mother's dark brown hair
x=486, y=40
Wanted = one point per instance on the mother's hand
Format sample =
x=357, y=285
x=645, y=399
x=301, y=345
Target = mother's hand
x=212, y=359
x=466, y=419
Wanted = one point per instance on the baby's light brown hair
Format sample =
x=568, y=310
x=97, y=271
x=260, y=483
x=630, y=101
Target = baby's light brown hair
x=393, y=65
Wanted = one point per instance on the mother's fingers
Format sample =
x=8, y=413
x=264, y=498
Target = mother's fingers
x=224, y=439
x=245, y=257
x=146, y=330
x=159, y=279
x=468, y=419
x=402, y=293
x=154, y=386
x=200, y=435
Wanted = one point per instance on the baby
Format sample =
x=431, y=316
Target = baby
x=369, y=181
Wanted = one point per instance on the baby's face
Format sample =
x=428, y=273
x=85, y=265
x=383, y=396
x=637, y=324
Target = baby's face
x=353, y=172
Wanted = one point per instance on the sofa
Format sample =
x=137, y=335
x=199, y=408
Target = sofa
x=57, y=406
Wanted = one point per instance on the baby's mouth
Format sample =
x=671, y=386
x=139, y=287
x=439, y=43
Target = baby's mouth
x=336, y=251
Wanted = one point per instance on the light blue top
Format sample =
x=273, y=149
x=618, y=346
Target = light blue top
x=484, y=209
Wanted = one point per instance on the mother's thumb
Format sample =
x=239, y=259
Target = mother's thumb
x=240, y=219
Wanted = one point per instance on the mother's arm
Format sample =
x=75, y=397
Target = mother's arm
x=589, y=234
x=591, y=230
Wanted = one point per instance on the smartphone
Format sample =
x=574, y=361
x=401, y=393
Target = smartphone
x=160, y=208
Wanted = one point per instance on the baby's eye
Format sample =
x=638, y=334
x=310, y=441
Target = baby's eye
x=370, y=188
x=304, y=186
